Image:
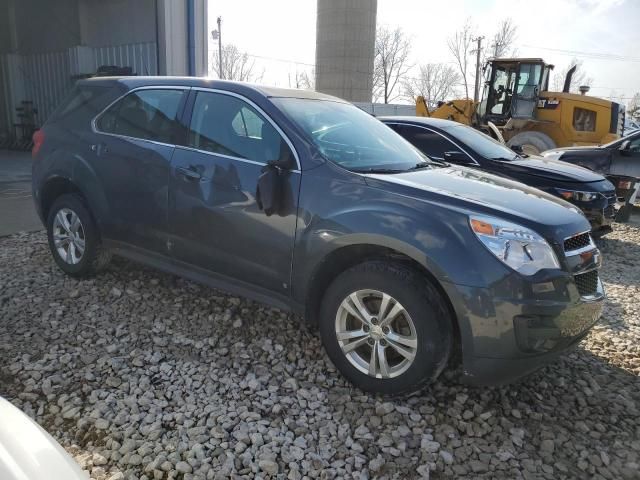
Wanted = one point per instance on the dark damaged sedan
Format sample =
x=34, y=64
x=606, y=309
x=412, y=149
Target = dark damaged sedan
x=619, y=161
x=305, y=202
x=453, y=142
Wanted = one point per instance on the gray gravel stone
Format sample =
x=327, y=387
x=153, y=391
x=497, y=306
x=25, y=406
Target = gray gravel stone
x=143, y=375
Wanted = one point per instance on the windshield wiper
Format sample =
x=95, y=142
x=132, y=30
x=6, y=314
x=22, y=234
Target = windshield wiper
x=421, y=165
x=377, y=170
x=505, y=159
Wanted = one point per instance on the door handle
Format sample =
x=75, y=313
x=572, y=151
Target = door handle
x=99, y=148
x=189, y=172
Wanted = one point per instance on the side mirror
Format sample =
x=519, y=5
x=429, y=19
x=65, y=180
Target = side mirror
x=517, y=149
x=624, y=147
x=456, y=156
x=269, y=189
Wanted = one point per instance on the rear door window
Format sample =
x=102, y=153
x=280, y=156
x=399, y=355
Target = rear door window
x=148, y=114
x=428, y=142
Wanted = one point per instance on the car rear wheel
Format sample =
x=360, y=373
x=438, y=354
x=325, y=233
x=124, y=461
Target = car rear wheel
x=386, y=328
x=73, y=237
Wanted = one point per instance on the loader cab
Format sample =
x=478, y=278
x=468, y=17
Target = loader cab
x=512, y=88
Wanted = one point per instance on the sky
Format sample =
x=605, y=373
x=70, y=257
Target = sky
x=279, y=35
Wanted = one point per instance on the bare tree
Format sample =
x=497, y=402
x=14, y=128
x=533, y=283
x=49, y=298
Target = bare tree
x=503, y=40
x=580, y=77
x=435, y=82
x=460, y=45
x=633, y=108
x=391, y=63
x=303, y=79
x=236, y=65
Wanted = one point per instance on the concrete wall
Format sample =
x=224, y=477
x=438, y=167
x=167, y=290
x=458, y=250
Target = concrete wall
x=7, y=22
x=117, y=22
x=43, y=26
x=345, y=38
x=172, y=30
x=173, y=41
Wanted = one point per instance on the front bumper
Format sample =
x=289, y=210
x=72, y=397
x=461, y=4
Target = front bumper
x=601, y=219
x=508, y=331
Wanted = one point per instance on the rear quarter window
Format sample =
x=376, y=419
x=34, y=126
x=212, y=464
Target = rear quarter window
x=82, y=104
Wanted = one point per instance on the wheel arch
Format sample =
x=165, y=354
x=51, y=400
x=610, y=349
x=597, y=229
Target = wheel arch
x=54, y=187
x=347, y=256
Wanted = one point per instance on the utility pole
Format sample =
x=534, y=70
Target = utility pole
x=220, y=47
x=217, y=35
x=476, y=93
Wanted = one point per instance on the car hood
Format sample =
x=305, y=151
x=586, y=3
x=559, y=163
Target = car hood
x=480, y=192
x=581, y=148
x=28, y=452
x=551, y=169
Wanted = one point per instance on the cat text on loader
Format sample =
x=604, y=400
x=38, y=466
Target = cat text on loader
x=518, y=108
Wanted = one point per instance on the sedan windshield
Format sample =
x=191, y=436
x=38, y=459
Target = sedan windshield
x=353, y=139
x=618, y=142
x=483, y=144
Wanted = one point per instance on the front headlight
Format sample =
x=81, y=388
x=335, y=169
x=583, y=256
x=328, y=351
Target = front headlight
x=518, y=247
x=577, y=196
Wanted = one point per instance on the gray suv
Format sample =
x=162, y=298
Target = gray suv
x=302, y=201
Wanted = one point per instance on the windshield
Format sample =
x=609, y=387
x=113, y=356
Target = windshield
x=353, y=139
x=616, y=143
x=483, y=144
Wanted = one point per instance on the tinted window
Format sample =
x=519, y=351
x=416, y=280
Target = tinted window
x=429, y=142
x=227, y=125
x=147, y=114
x=83, y=103
x=346, y=135
x=247, y=123
x=634, y=145
x=483, y=144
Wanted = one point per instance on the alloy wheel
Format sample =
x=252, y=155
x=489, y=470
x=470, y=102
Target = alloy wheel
x=68, y=236
x=376, y=334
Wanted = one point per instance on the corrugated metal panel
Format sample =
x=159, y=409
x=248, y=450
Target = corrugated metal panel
x=141, y=57
x=47, y=79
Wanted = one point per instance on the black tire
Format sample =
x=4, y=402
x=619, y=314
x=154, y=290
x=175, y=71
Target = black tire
x=95, y=256
x=532, y=142
x=423, y=303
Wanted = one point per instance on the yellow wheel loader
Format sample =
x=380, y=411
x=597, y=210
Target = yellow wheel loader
x=517, y=108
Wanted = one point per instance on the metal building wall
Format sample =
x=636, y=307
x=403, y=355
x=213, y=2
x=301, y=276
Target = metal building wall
x=345, y=40
x=45, y=78
x=142, y=57
x=46, y=45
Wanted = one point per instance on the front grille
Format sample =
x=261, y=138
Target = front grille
x=587, y=283
x=576, y=242
x=611, y=198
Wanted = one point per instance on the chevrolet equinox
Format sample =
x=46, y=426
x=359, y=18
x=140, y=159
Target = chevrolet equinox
x=303, y=201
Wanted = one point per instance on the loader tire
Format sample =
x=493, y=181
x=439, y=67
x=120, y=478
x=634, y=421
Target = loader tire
x=532, y=143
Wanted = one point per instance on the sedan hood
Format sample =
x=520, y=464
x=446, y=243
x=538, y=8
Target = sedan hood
x=583, y=148
x=28, y=452
x=480, y=192
x=551, y=169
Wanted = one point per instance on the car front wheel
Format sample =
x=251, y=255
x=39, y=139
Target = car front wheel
x=386, y=328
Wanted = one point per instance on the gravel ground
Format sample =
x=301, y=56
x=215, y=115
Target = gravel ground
x=144, y=375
